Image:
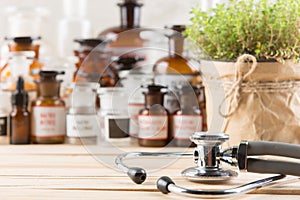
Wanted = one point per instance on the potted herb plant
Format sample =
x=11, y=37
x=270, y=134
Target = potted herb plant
x=250, y=50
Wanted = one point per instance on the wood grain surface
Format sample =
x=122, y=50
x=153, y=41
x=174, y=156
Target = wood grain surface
x=81, y=172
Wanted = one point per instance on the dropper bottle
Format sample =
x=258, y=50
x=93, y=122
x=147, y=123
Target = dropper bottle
x=20, y=116
x=48, y=110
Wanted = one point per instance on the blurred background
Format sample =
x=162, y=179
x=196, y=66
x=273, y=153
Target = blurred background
x=100, y=13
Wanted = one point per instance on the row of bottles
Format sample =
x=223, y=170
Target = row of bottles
x=158, y=126
x=117, y=61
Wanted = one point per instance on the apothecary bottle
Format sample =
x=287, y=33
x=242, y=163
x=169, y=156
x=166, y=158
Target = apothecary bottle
x=82, y=120
x=94, y=61
x=153, y=120
x=19, y=116
x=48, y=110
x=188, y=119
x=28, y=43
x=175, y=69
x=126, y=36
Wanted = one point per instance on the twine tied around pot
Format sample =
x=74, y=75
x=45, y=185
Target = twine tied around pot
x=236, y=87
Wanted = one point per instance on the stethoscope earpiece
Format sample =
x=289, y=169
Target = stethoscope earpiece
x=137, y=174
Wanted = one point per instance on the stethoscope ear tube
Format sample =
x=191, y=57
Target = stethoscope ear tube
x=273, y=167
x=166, y=185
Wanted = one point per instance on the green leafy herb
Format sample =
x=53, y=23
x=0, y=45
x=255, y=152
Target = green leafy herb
x=267, y=29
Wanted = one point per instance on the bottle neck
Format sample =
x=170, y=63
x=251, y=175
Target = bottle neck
x=189, y=100
x=176, y=44
x=48, y=89
x=130, y=15
x=153, y=99
x=25, y=47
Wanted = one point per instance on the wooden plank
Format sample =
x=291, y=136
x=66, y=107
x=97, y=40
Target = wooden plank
x=43, y=171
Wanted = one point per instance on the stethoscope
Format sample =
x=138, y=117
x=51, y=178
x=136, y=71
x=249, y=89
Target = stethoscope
x=208, y=156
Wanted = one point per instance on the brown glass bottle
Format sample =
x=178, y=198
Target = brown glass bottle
x=94, y=60
x=153, y=120
x=174, y=69
x=188, y=119
x=20, y=116
x=130, y=20
x=48, y=111
x=27, y=44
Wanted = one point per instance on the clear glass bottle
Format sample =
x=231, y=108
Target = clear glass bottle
x=20, y=116
x=130, y=20
x=188, y=119
x=131, y=77
x=48, y=110
x=175, y=69
x=153, y=120
x=114, y=119
x=82, y=126
x=27, y=44
x=18, y=65
x=74, y=24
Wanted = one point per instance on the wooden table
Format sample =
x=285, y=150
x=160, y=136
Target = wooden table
x=71, y=172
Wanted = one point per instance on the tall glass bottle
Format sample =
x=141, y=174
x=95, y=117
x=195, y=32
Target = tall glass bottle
x=130, y=20
x=188, y=119
x=74, y=24
x=153, y=120
x=48, y=110
x=20, y=116
x=175, y=69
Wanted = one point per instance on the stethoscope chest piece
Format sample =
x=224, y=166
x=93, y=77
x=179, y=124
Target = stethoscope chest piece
x=207, y=158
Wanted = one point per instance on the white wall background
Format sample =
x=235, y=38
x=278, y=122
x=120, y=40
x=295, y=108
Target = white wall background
x=104, y=13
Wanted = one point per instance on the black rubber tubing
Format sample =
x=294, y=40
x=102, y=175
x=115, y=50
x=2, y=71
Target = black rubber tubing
x=273, y=167
x=273, y=148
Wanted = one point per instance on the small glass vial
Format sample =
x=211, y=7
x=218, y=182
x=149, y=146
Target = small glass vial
x=114, y=119
x=48, y=110
x=20, y=116
x=188, y=119
x=175, y=69
x=82, y=120
x=153, y=120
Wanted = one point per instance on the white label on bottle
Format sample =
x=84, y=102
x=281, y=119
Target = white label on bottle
x=133, y=111
x=80, y=125
x=48, y=121
x=153, y=127
x=186, y=125
x=172, y=81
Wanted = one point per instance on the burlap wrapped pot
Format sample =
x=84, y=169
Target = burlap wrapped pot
x=252, y=100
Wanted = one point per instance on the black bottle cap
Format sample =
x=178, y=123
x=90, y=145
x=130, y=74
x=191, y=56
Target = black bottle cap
x=50, y=75
x=130, y=3
x=177, y=28
x=20, y=96
x=24, y=40
x=92, y=42
x=154, y=88
x=127, y=62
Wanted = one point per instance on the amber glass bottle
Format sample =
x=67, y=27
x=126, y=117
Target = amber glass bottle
x=48, y=111
x=27, y=44
x=174, y=69
x=153, y=120
x=20, y=116
x=130, y=20
x=188, y=119
x=94, y=60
